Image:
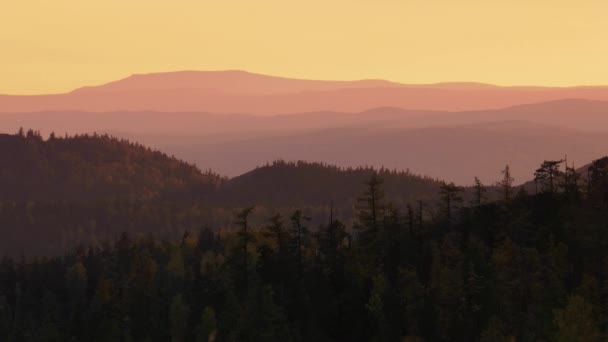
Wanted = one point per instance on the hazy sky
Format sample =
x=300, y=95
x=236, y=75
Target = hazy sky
x=57, y=45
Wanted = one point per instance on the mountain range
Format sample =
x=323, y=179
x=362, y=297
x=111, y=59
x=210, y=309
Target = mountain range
x=248, y=93
x=233, y=121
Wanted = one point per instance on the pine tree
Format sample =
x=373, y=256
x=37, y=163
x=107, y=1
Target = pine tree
x=245, y=238
x=479, y=191
x=371, y=205
x=276, y=231
x=451, y=196
x=299, y=237
x=506, y=184
x=547, y=173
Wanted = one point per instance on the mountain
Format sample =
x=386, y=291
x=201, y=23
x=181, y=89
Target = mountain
x=585, y=115
x=246, y=93
x=229, y=81
x=452, y=152
x=446, y=145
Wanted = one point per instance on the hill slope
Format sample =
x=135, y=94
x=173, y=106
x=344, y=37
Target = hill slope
x=302, y=183
x=62, y=192
x=425, y=141
x=453, y=152
x=92, y=168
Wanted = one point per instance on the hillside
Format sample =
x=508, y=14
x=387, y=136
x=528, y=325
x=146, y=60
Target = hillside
x=298, y=184
x=93, y=168
x=451, y=152
x=424, y=141
x=61, y=192
x=528, y=267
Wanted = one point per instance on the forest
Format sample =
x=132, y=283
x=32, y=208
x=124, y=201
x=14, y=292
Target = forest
x=482, y=263
x=60, y=192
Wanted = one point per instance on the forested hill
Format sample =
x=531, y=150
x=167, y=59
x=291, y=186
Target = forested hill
x=63, y=191
x=102, y=168
x=528, y=267
x=92, y=168
x=312, y=184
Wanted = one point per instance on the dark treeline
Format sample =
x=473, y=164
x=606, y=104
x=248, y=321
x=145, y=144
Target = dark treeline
x=526, y=267
x=93, y=168
x=58, y=192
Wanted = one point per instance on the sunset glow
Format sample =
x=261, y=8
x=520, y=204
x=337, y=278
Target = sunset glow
x=56, y=46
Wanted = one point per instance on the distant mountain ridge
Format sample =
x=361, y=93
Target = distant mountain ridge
x=249, y=93
x=448, y=145
x=229, y=81
x=571, y=113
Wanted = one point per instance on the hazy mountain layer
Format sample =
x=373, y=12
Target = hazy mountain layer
x=242, y=92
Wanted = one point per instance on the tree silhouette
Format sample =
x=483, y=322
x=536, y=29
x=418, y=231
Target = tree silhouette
x=299, y=237
x=547, y=173
x=371, y=205
x=479, y=192
x=245, y=237
x=598, y=180
x=506, y=184
x=451, y=196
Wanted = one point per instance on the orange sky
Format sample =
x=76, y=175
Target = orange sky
x=55, y=46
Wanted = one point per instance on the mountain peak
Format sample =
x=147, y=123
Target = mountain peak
x=228, y=81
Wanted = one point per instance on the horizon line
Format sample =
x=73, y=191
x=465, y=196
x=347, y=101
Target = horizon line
x=297, y=78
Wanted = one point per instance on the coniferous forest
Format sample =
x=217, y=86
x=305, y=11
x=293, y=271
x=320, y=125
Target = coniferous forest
x=156, y=250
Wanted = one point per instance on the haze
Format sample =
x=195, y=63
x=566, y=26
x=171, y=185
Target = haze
x=234, y=121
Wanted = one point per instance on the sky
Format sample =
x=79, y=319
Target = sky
x=55, y=46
